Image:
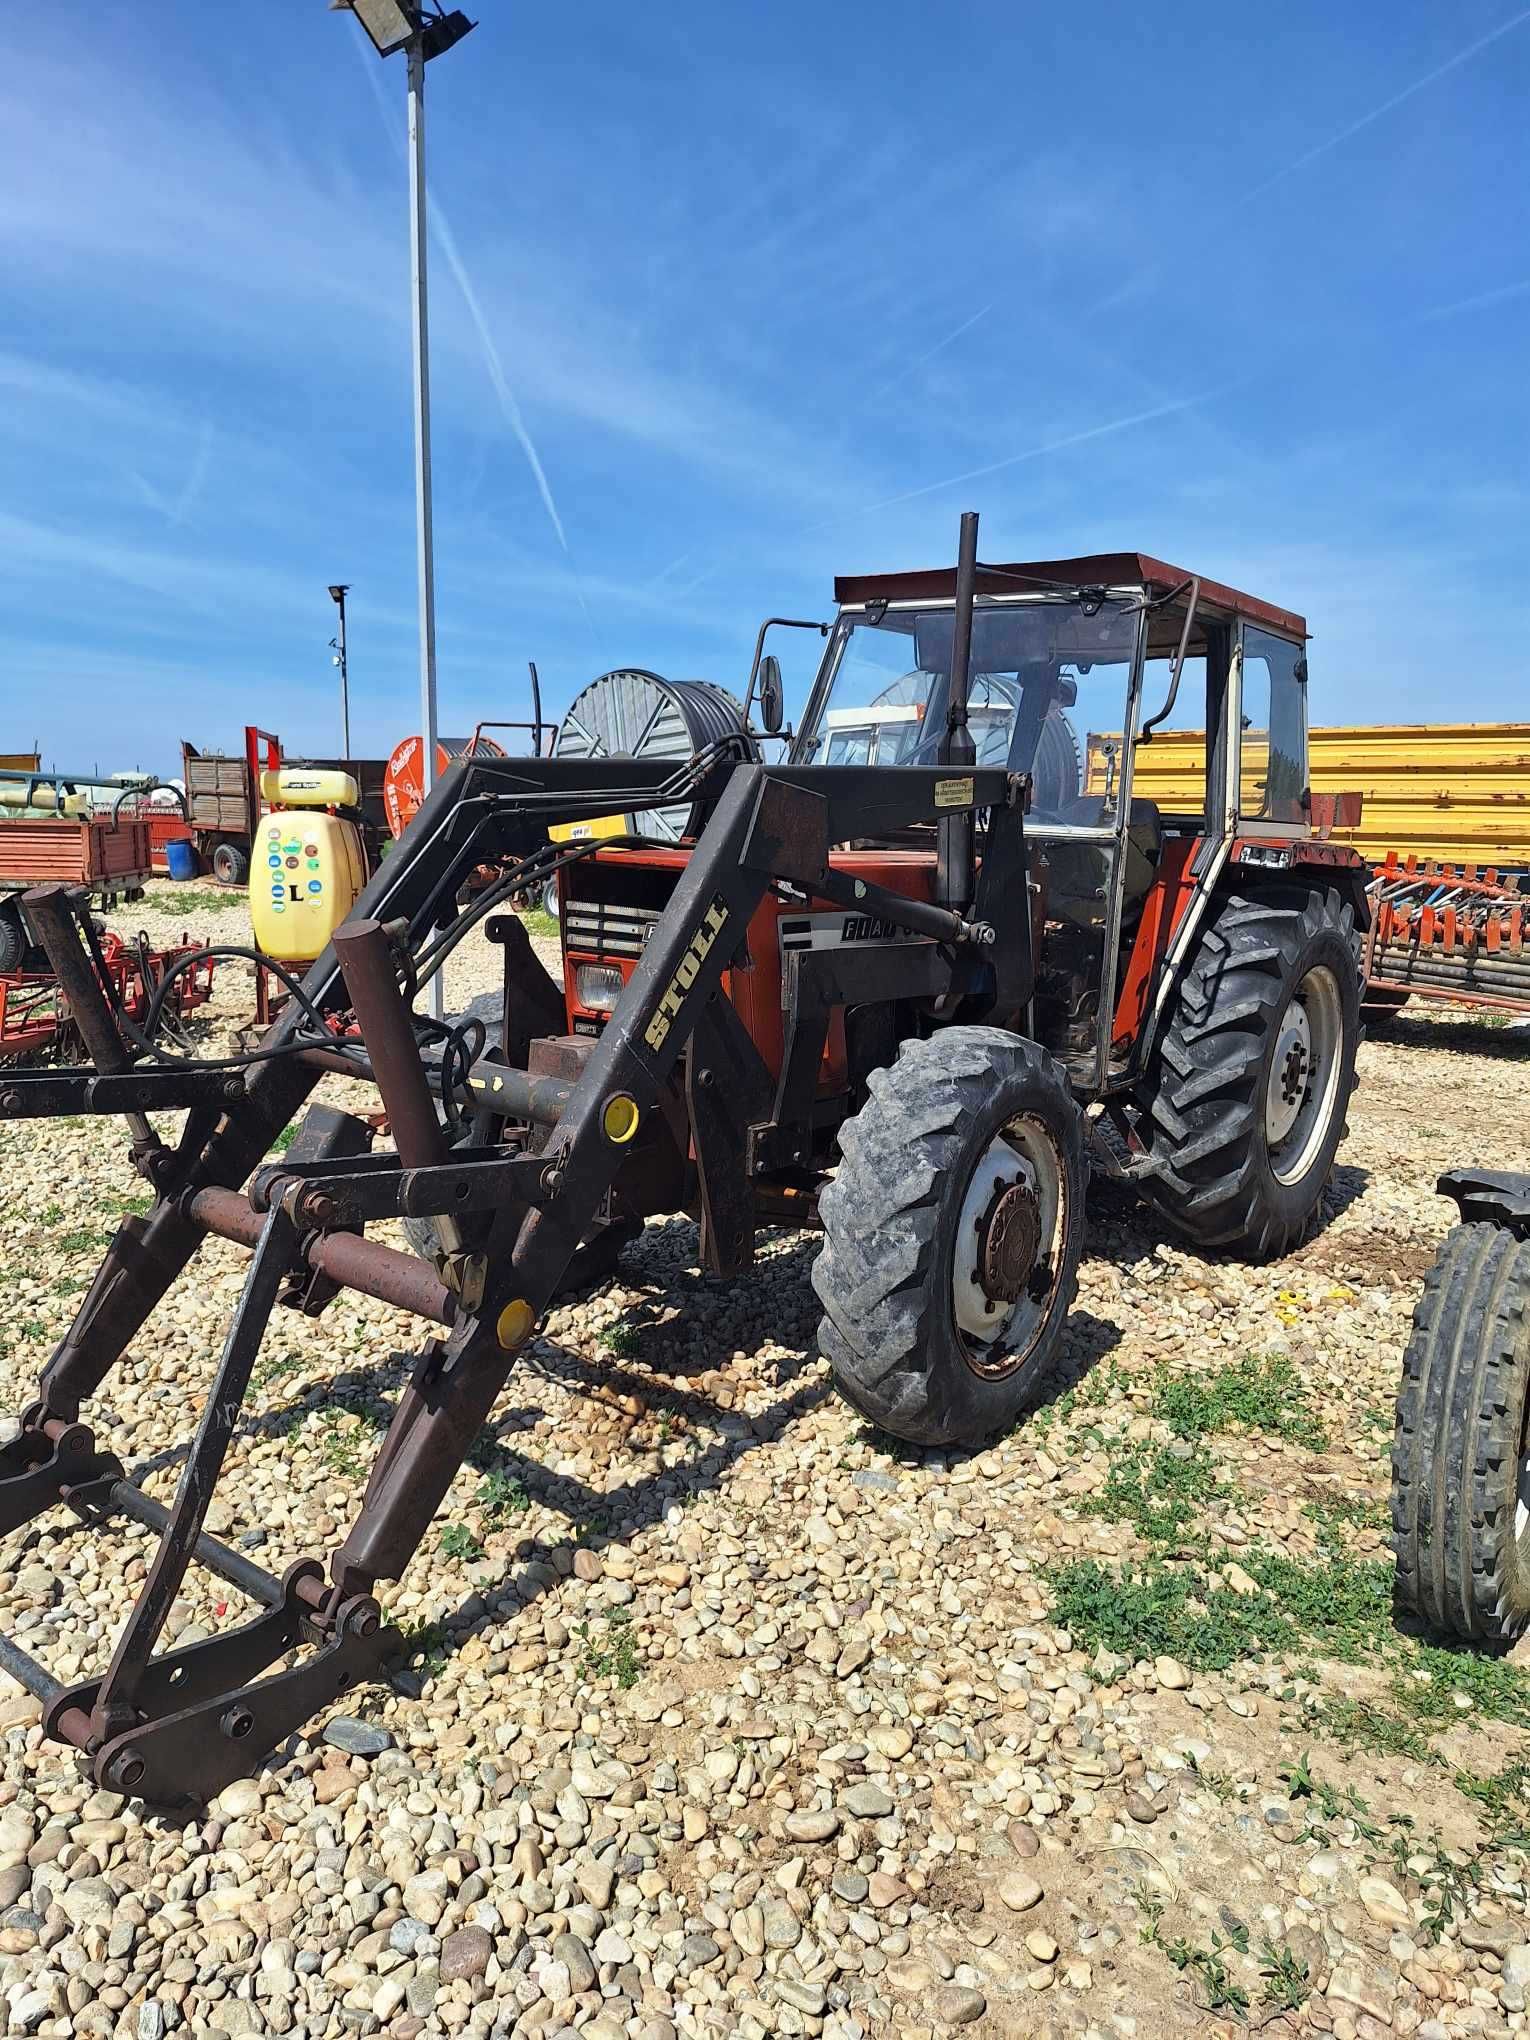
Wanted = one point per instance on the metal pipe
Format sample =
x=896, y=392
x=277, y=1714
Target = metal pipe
x=51, y=912
x=956, y=839
x=424, y=529
x=401, y=1280
x=243, y=1573
x=516, y=1094
x=28, y=1673
x=366, y=963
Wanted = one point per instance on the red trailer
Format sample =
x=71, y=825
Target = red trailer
x=111, y=859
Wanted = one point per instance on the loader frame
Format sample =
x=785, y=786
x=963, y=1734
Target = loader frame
x=510, y=1215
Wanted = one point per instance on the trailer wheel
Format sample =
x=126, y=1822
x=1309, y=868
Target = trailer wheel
x=951, y=1237
x=1244, y=1103
x=13, y=936
x=1461, y=1450
x=230, y=864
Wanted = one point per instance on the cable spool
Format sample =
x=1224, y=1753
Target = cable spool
x=631, y=713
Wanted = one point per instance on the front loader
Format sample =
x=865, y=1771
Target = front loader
x=903, y=1001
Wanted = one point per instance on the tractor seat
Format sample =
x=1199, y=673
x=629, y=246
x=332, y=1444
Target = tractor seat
x=1144, y=847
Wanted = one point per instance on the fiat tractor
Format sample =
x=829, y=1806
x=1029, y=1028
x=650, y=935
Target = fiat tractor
x=906, y=999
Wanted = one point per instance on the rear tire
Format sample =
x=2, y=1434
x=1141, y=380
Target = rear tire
x=230, y=864
x=1461, y=1450
x=934, y=1335
x=1243, y=1106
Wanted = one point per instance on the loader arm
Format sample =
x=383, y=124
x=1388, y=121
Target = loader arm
x=177, y=1726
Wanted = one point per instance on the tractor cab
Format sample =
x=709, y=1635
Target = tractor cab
x=1074, y=665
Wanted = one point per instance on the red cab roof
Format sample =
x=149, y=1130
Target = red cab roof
x=1111, y=570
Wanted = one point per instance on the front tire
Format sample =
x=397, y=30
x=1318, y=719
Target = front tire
x=951, y=1237
x=1461, y=1450
x=1243, y=1108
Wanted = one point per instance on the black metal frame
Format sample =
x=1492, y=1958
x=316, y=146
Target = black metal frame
x=510, y=1216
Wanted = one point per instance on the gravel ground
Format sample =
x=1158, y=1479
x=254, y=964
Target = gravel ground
x=726, y=1718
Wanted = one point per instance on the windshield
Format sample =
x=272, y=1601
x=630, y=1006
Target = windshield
x=1043, y=673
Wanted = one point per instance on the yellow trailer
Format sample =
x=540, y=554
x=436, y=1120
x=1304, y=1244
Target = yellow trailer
x=1458, y=793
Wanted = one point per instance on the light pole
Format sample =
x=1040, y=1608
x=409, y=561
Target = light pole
x=422, y=33
x=337, y=593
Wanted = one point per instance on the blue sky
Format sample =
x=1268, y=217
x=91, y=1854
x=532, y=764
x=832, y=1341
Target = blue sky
x=726, y=301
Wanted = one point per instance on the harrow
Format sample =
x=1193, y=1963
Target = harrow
x=1446, y=932
x=37, y=1022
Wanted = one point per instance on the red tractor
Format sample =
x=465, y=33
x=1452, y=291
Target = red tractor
x=909, y=985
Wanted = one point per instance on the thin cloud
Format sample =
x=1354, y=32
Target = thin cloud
x=175, y=509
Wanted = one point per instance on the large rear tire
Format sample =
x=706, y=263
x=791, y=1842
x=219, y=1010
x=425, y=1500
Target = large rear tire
x=1461, y=1450
x=1243, y=1106
x=951, y=1237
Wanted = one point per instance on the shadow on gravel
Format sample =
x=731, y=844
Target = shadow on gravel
x=1462, y=1037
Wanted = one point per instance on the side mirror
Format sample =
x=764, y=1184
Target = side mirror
x=772, y=695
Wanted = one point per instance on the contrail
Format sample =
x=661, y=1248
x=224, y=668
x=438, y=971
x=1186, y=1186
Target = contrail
x=910, y=367
x=1054, y=446
x=502, y=389
x=1329, y=143
x=507, y=398
x=1479, y=303
x=1462, y=56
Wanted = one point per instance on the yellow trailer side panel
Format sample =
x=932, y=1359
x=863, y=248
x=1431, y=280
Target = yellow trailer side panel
x=1456, y=792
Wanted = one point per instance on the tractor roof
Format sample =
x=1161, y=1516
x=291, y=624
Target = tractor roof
x=1111, y=570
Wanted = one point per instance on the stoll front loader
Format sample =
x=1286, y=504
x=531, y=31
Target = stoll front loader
x=901, y=1000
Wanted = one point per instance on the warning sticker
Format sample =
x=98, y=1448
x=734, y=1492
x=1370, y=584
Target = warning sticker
x=953, y=792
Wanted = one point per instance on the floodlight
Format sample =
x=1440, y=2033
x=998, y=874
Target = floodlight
x=399, y=24
x=338, y=590
x=390, y=24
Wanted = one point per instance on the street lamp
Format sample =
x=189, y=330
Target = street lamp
x=422, y=32
x=338, y=590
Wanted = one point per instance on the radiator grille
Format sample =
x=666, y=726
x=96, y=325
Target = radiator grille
x=602, y=928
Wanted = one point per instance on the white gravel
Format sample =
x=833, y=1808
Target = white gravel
x=727, y=1719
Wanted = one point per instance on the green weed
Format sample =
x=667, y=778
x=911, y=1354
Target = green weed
x=622, y=1339
x=1159, y=1490
x=539, y=926
x=610, y=1656
x=502, y=1494
x=1287, y=1985
x=458, y=1542
x=1257, y=1393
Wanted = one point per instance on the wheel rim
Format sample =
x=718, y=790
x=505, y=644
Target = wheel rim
x=1009, y=1248
x=1303, y=1085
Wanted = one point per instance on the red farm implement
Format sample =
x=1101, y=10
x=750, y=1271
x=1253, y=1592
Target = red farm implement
x=1448, y=932
x=36, y=1020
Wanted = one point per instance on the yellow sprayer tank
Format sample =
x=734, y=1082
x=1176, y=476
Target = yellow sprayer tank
x=308, y=867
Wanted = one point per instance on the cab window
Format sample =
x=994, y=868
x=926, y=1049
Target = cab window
x=1272, y=753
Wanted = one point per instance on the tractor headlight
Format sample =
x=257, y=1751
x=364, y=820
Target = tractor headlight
x=597, y=987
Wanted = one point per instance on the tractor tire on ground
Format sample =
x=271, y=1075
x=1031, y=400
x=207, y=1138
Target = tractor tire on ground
x=952, y=1234
x=230, y=864
x=13, y=936
x=1461, y=1450
x=1244, y=1102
